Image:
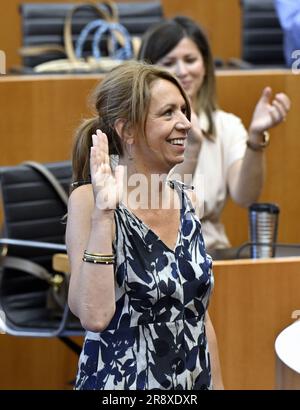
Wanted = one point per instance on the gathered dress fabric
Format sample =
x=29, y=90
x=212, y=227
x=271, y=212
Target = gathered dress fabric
x=156, y=338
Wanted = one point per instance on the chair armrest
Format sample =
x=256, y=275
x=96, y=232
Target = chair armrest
x=41, y=273
x=60, y=262
x=33, y=244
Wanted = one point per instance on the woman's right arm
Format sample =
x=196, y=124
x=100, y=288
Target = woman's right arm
x=91, y=292
x=90, y=227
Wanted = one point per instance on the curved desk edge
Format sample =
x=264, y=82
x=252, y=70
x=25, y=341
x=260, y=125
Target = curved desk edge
x=287, y=348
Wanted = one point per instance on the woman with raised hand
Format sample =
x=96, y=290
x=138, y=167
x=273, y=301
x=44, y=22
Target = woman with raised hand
x=140, y=276
x=221, y=155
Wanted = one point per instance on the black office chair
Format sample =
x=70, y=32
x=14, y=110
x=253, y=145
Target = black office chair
x=42, y=23
x=32, y=233
x=262, y=36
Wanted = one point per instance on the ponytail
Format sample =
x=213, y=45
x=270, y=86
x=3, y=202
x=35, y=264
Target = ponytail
x=82, y=147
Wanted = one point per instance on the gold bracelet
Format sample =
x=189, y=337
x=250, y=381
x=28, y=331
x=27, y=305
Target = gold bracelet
x=98, y=254
x=259, y=146
x=100, y=258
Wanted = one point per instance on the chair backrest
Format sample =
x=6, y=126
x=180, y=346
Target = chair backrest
x=42, y=23
x=32, y=211
x=262, y=36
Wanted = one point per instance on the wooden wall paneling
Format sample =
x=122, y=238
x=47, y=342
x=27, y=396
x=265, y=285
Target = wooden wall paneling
x=238, y=93
x=39, y=116
x=286, y=165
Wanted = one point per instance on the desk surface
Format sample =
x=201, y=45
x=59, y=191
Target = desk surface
x=219, y=72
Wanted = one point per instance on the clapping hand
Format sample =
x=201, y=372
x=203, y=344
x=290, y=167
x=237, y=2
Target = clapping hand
x=269, y=112
x=107, y=187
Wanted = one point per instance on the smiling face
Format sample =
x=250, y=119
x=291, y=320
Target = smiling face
x=186, y=62
x=166, y=129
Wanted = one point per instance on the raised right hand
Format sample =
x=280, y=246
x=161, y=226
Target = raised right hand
x=269, y=111
x=107, y=187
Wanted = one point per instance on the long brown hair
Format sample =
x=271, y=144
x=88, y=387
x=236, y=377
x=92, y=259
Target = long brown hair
x=124, y=93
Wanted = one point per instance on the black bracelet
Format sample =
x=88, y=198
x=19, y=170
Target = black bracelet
x=98, y=261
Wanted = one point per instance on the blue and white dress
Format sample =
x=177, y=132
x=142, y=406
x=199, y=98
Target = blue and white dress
x=156, y=339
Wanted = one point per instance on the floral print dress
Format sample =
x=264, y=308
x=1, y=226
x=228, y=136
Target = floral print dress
x=156, y=339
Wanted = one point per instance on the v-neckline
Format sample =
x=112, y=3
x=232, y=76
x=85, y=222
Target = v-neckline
x=183, y=200
x=156, y=236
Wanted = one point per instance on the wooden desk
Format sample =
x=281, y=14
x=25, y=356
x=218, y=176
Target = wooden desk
x=36, y=363
x=253, y=301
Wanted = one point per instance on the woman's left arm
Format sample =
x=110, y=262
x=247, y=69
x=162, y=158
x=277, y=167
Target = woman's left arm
x=246, y=176
x=214, y=355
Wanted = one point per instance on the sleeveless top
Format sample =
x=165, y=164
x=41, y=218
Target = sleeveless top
x=210, y=176
x=156, y=338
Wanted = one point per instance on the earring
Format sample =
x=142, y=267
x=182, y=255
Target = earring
x=129, y=151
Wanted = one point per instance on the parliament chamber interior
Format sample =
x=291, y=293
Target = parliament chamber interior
x=254, y=300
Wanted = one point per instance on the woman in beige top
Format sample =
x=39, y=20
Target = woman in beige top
x=223, y=157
